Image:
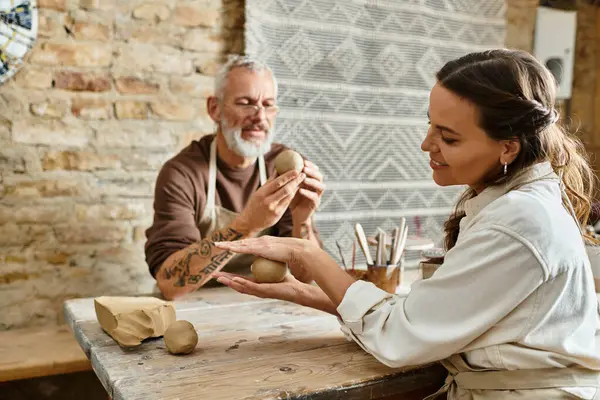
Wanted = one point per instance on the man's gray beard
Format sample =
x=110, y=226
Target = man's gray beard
x=245, y=148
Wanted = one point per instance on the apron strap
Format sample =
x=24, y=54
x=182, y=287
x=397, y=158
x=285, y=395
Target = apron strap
x=453, y=364
x=262, y=169
x=543, y=378
x=212, y=174
x=212, y=177
x=465, y=377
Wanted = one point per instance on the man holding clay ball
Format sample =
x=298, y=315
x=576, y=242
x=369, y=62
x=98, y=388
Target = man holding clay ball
x=231, y=185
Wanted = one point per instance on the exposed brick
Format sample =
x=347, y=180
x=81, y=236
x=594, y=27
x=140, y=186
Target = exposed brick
x=98, y=4
x=35, y=214
x=18, y=159
x=174, y=111
x=50, y=132
x=133, y=85
x=206, y=64
x=146, y=161
x=45, y=188
x=147, y=58
x=88, y=233
x=54, y=257
x=195, y=85
x=146, y=134
x=81, y=81
x=22, y=235
x=78, y=161
x=34, y=78
x=90, y=31
x=73, y=54
x=136, y=31
x=91, y=108
x=59, y=5
x=131, y=109
x=201, y=40
x=128, y=211
x=195, y=14
x=13, y=105
x=5, y=129
x=50, y=108
x=149, y=11
x=131, y=185
x=48, y=26
x=139, y=233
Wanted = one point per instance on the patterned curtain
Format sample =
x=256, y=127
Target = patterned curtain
x=354, y=79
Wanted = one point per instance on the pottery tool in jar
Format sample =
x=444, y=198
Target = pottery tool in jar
x=395, y=239
x=400, y=245
x=337, y=243
x=353, y=254
x=381, y=243
x=362, y=242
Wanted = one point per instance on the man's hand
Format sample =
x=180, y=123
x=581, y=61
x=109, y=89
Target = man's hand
x=308, y=198
x=269, y=202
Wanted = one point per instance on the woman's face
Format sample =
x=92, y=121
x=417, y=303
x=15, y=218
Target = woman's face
x=461, y=153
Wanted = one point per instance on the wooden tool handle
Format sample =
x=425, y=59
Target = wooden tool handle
x=362, y=241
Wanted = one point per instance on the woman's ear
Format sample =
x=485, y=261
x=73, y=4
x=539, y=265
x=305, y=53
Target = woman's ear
x=510, y=150
x=214, y=108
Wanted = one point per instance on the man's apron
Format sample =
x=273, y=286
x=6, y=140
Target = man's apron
x=215, y=218
x=466, y=383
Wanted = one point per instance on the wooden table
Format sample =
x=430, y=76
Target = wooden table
x=249, y=348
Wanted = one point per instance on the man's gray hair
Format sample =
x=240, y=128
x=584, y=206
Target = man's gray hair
x=239, y=61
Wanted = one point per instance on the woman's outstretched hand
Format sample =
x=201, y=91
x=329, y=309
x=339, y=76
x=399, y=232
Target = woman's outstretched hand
x=298, y=254
x=289, y=289
x=303, y=259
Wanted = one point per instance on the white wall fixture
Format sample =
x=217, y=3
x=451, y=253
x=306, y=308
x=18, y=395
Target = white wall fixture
x=554, y=45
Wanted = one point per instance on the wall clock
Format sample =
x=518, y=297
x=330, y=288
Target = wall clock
x=18, y=31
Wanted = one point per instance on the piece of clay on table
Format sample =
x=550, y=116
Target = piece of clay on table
x=130, y=320
x=181, y=337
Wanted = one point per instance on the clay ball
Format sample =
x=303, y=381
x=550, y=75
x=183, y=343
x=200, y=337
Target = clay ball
x=288, y=160
x=267, y=271
x=181, y=337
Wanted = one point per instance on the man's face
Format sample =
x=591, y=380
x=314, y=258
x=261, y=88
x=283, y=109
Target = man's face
x=248, y=111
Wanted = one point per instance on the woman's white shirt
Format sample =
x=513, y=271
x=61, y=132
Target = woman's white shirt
x=516, y=291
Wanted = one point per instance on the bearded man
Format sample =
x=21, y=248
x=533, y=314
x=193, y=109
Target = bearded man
x=224, y=187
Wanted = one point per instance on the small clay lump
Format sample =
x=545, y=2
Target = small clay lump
x=268, y=271
x=288, y=160
x=181, y=337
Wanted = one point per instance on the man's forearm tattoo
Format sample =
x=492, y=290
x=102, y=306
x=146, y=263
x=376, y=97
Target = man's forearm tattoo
x=180, y=270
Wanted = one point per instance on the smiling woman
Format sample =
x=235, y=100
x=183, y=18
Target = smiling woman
x=461, y=152
x=515, y=295
x=492, y=116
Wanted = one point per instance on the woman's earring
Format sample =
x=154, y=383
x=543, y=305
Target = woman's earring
x=505, y=168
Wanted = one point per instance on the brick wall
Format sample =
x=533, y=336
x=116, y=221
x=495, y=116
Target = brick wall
x=110, y=91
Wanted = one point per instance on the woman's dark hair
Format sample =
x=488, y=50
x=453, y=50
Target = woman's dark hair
x=515, y=98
